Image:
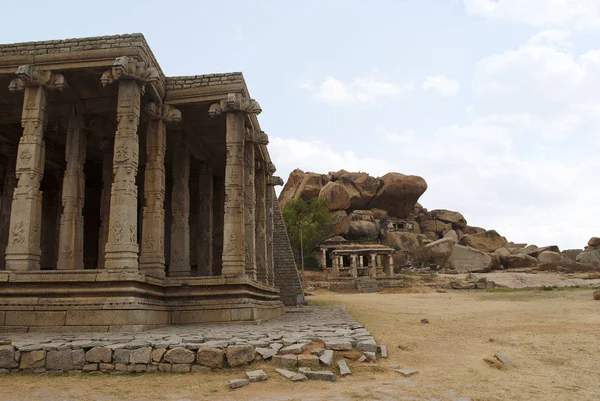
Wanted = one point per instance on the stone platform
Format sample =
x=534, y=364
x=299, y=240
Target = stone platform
x=183, y=348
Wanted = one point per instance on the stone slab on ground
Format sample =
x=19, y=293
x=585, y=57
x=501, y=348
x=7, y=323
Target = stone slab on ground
x=237, y=383
x=256, y=375
x=327, y=357
x=504, y=359
x=286, y=373
x=343, y=366
x=325, y=375
x=406, y=372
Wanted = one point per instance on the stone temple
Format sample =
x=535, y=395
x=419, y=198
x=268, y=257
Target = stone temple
x=132, y=200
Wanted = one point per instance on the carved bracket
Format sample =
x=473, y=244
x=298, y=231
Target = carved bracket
x=271, y=168
x=234, y=103
x=165, y=112
x=30, y=75
x=129, y=68
x=257, y=137
x=274, y=180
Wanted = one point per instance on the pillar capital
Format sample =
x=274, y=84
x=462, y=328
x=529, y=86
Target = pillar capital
x=234, y=103
x=129, y=68
x=257, y=137
x=163, y=112
x=30, y=75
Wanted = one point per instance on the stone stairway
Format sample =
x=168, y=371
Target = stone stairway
x=366, y=284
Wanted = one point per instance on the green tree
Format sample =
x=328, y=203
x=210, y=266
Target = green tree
x=307, y=223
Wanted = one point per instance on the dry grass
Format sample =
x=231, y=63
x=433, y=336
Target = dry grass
x=552, y=336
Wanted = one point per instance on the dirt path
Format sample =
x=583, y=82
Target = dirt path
x=552, y=336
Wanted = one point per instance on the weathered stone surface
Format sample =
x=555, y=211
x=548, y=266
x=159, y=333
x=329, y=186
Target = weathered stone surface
x=180, y=368
x=302, y=185
x=434, y=226
x=32, y=360
x=447, y=216
x=256, y=375
x=286, y=361
x=266, y=353
x=439, y=251
x=382, y=351
x=157, y=354
x=106, y=367
x=77, y=357
x=487, y=241
x=336, y=195
x=211, y=357
x=90, y=367
x=504, y=359
x=343, y=366
x=240, y=354
x=308, y=361
x=406, y=372
x=63, y=359
x=594, y=242
x=371, y=356
x=361, y=187
x=338, y=345
x=520, y=260
x=299, y=377
x=7, y=357
x=140, y=355
x=121, y=355
x=550, y=257
x=465, y=258
x=164, y=367
x=369, y=345
x=361, y=229
x=237, y=383
x=317, y=351
x=293, y=349
x=98, y=354
x=325, y=375
x=406, y=241
x=591, y=258
x=327, y=357
x=340, y=222
x=179, y=355
x=398, y=194
x=285, y=373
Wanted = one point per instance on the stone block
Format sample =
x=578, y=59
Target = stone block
x=90, y=367
x=138, y=368
x=7, y=357
x=77, y=357
x=240, y=354
x=98, y=354
x=317, y=351
x=121, y=355
x=256, y=375
x=164, y=367
x=293, y=349
x=179, y=355
x=34, y=318
x=382, y=351
x=327, y=357
x=371, y=357
x=237, y=383
x=180, y=368
x=32, y=360
x=286, y=361
x=325, y=375
x=63, y=359
x=106, y=367
x=266, y=353
x=369, y=345
x=299, y=377
x=308, y=361
x=157, y=354
x=121, y=367
x=152, y=368
x=285, y=373
x=406, y=372
x=141, y=355
x=211, y=357
x=201, y=369
x=338, y=345
x=343, y=366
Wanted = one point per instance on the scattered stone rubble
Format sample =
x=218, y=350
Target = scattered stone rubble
x=199, y=348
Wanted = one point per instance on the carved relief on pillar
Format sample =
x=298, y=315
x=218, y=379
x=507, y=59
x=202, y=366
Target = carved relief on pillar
x=23, y=251
x=152, y=255
x=235, y=107
x=70, y=243
x=249, y=206
x=261, y=221
x=121, y=250
x=9, y=182
x=180, y=208
x=205, y=225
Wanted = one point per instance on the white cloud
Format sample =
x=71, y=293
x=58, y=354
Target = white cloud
x=444, y=85
x=553, y=38
x=403, y=136
x=576, y=14
x=362, y=89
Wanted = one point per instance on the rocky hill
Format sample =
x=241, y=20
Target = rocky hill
x=386, y=209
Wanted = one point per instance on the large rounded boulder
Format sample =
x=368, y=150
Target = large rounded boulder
x=447, y=216
x=361, y=186
x=336, y=195
x=362, y=229
x=301, y=185
x=398, y=194
x=487, y=241
x=340, y=222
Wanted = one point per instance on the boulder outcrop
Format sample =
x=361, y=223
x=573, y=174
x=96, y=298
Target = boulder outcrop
x=398, y=194
x=487, y=241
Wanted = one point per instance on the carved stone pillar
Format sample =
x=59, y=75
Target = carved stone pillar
x=390, y=265
x=335, y=265
x=249, y=207
x=353, y=268
x=271, y=196
x=107, y=160
x=9, y=183
x=323, y=258
x=235, y=108
x=180, y=209
x=152, y=254
x=122, y=249
x=260, y=186
x=373, y=265
x=70, y=238
x=205, y=219
x=23, y=251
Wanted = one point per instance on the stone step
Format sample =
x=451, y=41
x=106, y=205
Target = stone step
x=367, y=284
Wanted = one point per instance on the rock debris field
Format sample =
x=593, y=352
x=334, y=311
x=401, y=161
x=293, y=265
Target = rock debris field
x=306, y=343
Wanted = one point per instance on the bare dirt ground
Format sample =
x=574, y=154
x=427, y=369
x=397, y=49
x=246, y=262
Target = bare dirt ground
x=552, y=336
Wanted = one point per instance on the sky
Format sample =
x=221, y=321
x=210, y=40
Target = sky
x=495, y=103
